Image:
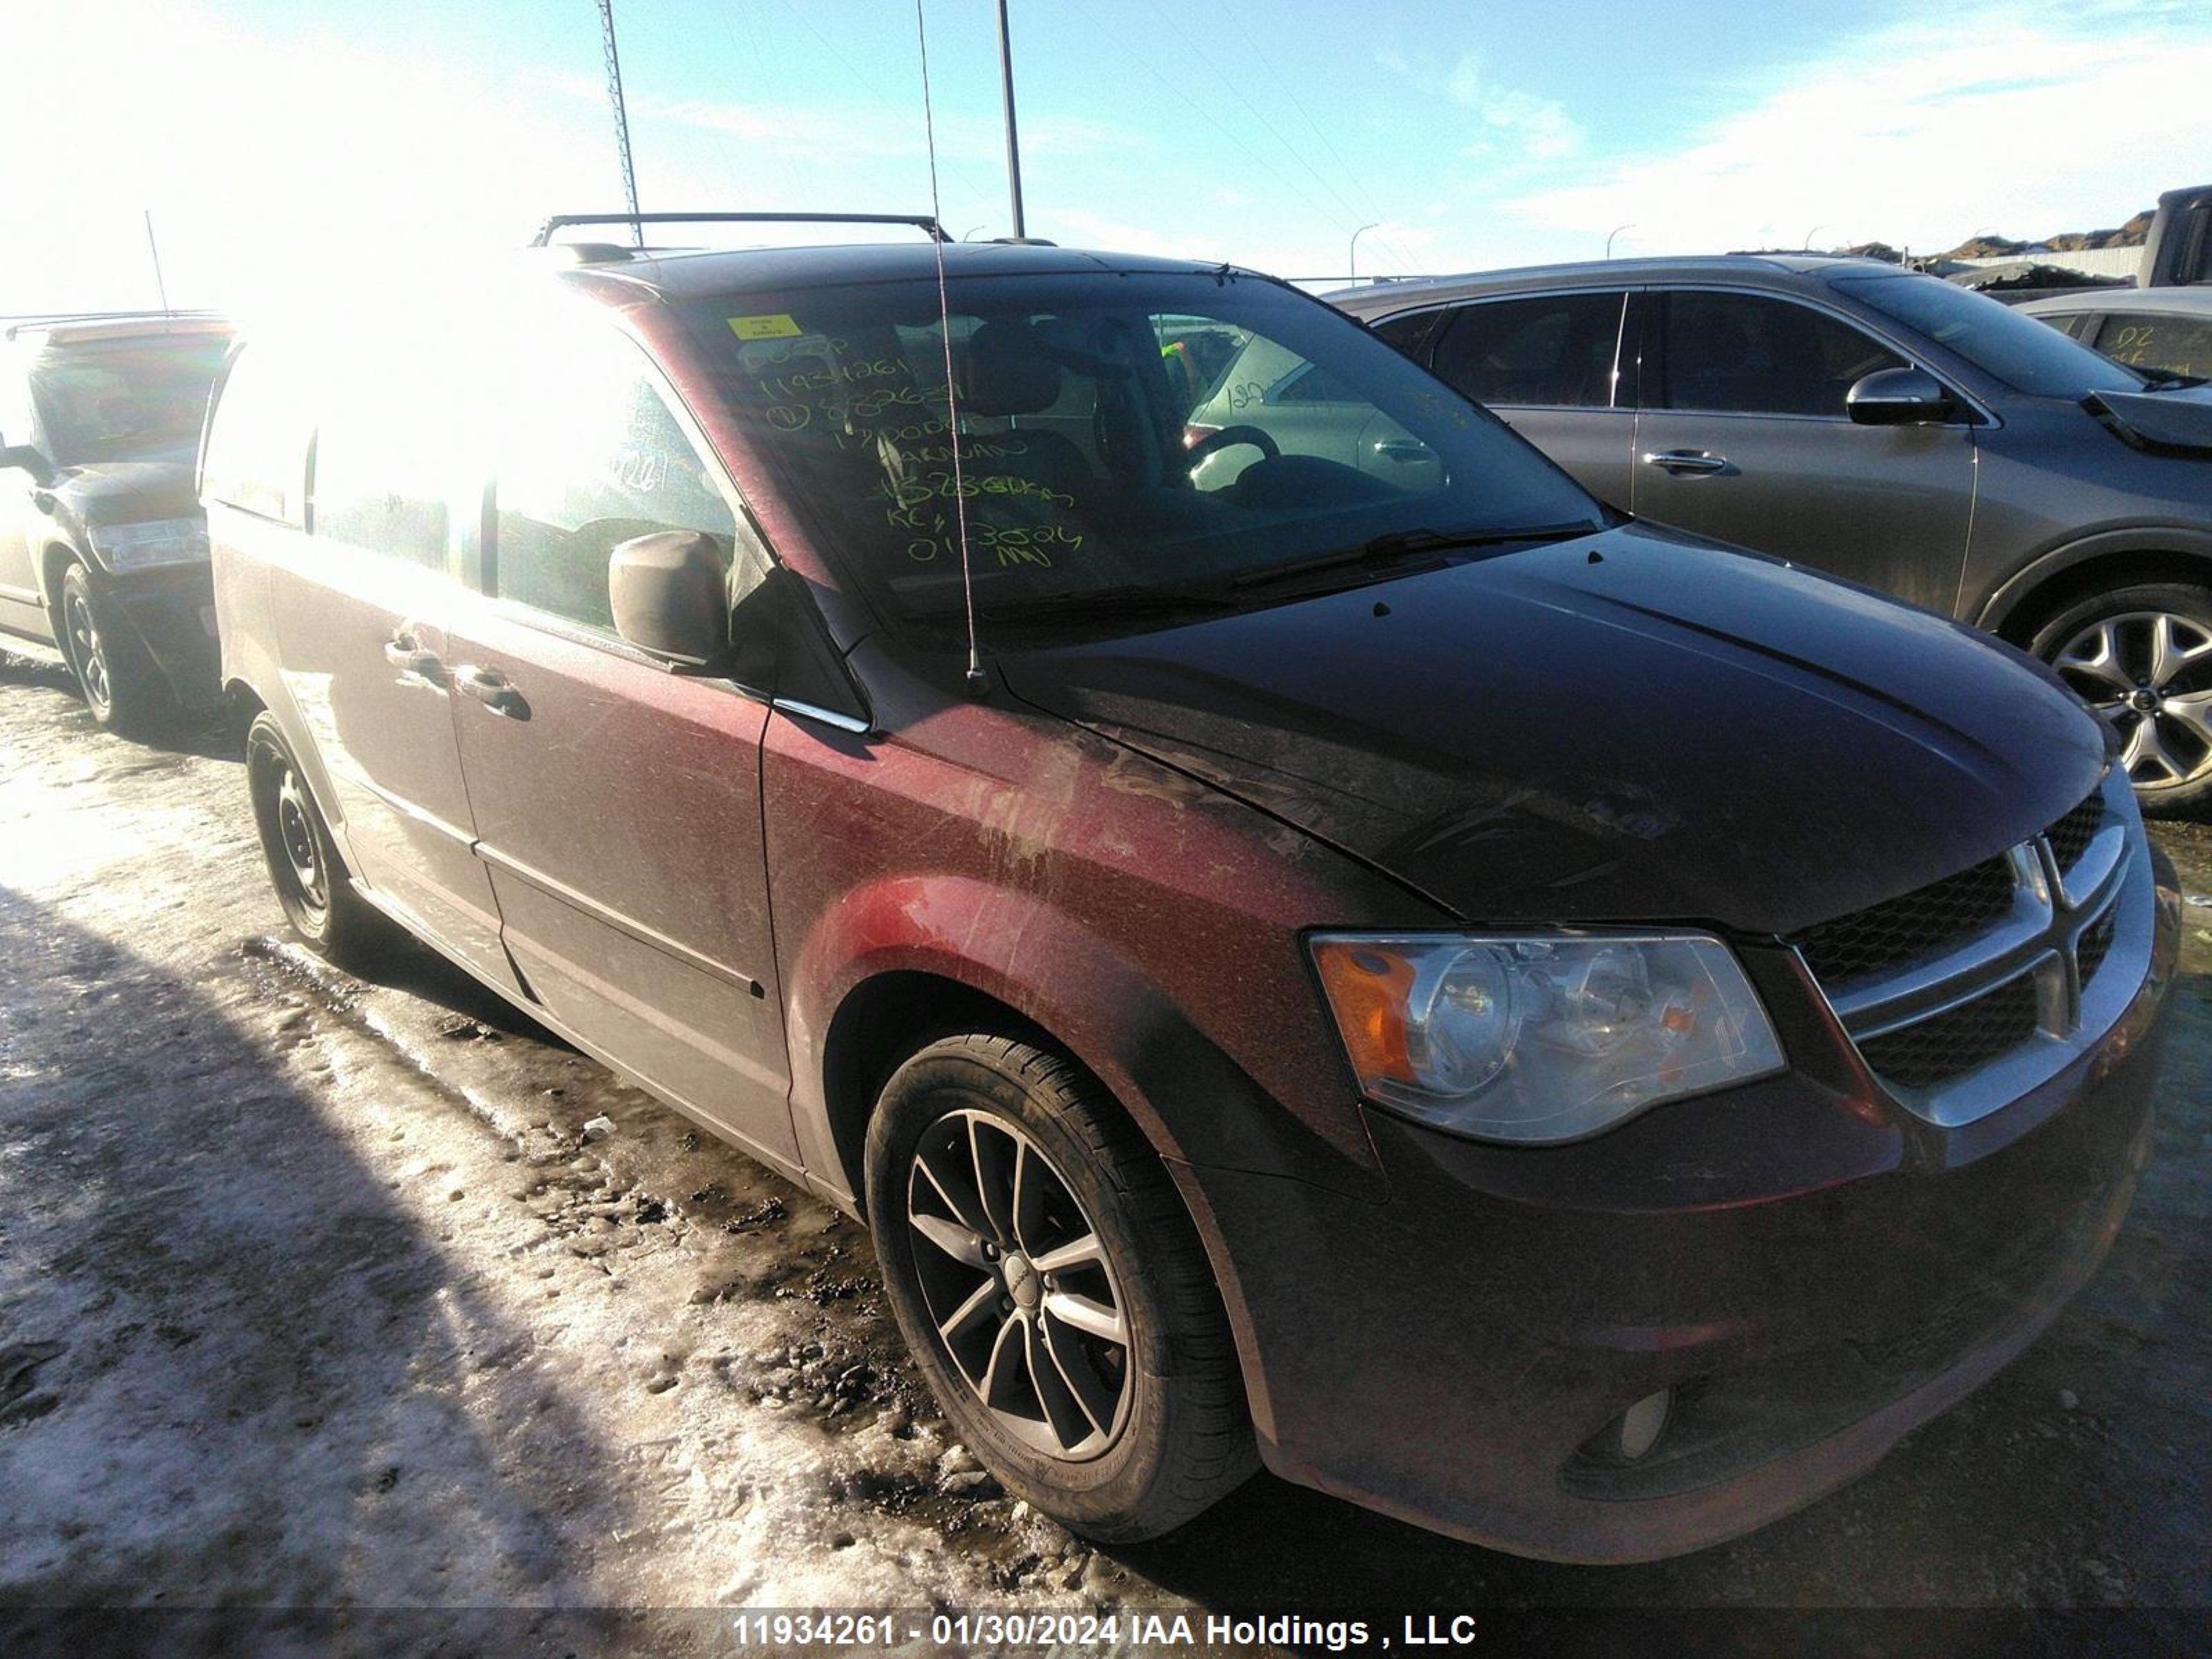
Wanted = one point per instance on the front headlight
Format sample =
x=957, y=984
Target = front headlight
x=152, y=542
x=1540, y=1038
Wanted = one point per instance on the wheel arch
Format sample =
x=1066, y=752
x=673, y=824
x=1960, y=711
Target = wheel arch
x=54, y=560
x=2033, y=596
x=884, y=1021
x=885, y=1017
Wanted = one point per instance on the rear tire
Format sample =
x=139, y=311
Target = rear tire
x=1116, y=1403
x=318, y=897
x=2141, y=655
x=122, y=687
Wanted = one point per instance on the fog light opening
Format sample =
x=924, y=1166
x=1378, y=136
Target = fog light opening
x=1637, y=1430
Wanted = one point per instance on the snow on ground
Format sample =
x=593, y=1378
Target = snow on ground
x=314, y=1293
x=320, y=1293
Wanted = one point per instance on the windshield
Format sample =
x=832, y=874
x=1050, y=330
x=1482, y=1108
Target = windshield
x=2026, y=354
x=1122, y=437
x=128, y=400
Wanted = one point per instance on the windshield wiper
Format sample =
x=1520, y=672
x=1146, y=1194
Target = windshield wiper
x=1380, y=551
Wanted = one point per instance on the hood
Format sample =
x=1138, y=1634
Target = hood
x=1625, y=727
x=2175, y=421
x=123, y=492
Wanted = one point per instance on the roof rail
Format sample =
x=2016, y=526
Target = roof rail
x=919, y=220
x=41, y=318
x=59, y=322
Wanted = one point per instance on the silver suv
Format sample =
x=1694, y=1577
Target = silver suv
x=1884, y=425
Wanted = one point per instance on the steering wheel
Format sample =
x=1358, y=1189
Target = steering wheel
x=1227, y=438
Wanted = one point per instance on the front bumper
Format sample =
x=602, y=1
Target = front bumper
x=1812, y=1271
x=171, y=610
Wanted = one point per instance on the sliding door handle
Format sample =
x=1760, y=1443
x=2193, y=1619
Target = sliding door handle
x=492, y=689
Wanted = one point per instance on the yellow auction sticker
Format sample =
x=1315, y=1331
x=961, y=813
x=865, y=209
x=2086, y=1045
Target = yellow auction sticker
x=777, y=326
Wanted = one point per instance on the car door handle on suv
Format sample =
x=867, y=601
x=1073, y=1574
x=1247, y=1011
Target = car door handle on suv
x=1407, y=450
x=1687, y=463
x=416, y=666
x=492, y=689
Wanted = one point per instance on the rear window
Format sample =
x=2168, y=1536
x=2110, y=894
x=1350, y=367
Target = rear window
x=2026, y=354
x=384, y=465
x=1554, y=351
x=2171, y=345
x=129, y=400
x=257, y=450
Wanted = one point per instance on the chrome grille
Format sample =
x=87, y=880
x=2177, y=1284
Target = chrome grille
x=1905, y=929
x=1963, y=994
x=1958, y=1040
x=2070, y=836
x=2097, y=944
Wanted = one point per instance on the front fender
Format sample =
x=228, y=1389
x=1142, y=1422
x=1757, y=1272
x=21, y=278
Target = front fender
x=1194, y=1103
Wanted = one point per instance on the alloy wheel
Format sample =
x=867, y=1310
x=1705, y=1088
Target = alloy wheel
x=1016, y=1282
x=2150, y=672
x=87, y=654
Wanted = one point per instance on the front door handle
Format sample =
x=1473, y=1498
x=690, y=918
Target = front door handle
x=1407, y=450
x=492, y=689
x=416, y=666
x=1687, y=463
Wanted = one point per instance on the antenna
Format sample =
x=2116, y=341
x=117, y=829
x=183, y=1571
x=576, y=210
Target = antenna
x=978, y=683
x=622, y=116
x=155, y=247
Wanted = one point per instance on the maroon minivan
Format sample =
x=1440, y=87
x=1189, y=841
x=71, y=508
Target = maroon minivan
x=1324, y=949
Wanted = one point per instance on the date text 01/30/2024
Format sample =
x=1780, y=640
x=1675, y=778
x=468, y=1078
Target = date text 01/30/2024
x=1132, y=1631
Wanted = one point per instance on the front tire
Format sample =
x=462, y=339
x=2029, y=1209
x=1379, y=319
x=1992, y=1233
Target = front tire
x=1053, y=1290
x=312, y=885
x=121, y=685
x=2142, y=656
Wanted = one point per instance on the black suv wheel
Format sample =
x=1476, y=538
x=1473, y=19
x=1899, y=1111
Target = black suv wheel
x=121, y=686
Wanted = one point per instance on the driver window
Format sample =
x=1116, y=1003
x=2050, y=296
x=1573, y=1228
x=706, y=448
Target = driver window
x=588, y=456
x=1744, y=354
x=1270, y=404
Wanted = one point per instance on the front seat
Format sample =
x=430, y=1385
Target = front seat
x=1008, y=371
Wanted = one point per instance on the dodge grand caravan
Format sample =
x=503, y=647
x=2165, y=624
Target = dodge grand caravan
x=1545, y=1028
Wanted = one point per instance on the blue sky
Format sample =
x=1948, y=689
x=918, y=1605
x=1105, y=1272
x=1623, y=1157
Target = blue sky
x=280, y=143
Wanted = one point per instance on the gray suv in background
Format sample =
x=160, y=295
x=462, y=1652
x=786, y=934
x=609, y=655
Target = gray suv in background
x=1881, y=425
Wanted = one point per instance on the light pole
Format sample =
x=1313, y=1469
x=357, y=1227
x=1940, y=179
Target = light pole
x=1014, y=144
x=1806, y=244
x=1352, y=256
x=1614, y=232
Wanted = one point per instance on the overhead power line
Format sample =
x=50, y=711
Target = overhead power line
x=1359, y=184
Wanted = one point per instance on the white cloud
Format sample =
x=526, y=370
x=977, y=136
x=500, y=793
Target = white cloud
x=2033, y=119
x=1515, y=125
x=1509, y=125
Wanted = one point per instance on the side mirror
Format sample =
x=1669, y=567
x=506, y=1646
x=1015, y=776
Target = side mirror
x=671, y=595
x=1899, y=396
x=24, y=459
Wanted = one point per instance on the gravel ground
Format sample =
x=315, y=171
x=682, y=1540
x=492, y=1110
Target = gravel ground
x=320, y=1292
